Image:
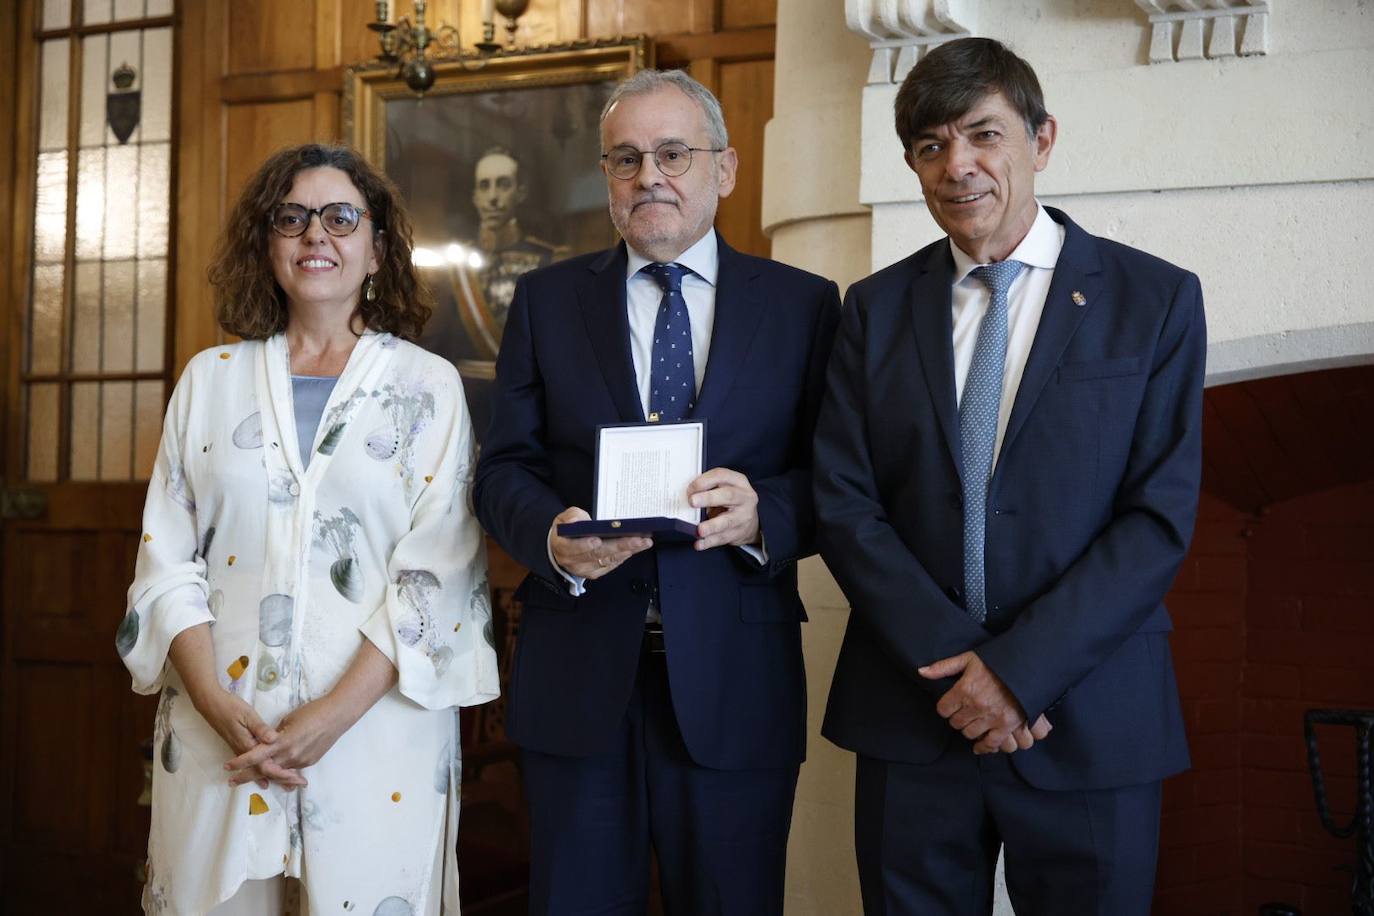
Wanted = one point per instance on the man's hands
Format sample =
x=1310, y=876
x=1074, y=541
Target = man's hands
x=732, y=509
x=981, y=708
x=590, y=558
x=731, y=518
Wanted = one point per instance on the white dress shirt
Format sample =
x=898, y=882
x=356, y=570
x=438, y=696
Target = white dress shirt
x=1039, y=251
x=642, y=298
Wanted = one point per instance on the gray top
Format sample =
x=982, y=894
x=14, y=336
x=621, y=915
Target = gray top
x=310, y=393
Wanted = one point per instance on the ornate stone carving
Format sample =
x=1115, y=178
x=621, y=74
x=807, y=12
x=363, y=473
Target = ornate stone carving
x=900, y=31
x=1179, y=29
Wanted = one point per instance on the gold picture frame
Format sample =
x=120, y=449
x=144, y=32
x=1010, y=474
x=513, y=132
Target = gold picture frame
x=499, y=164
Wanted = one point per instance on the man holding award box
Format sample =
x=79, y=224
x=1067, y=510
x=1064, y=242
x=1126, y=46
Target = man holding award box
x=658, y=692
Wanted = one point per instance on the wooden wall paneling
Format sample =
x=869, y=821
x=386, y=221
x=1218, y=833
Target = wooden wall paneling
x=266, y=36
x=745, y=89
x=202, y=54
x=254, y=130
x=607, y=18
x=741, y=14
x=571, y=17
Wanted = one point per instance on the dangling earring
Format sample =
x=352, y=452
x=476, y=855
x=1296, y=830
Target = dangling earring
x=370, y=289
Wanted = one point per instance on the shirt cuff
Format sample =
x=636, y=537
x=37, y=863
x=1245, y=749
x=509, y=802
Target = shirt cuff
x=577, y=586
x=759, y=553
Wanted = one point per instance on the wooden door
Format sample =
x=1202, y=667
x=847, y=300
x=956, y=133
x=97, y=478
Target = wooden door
x=87, y=360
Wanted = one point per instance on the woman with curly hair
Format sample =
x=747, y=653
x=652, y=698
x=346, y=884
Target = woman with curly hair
x=311, y=595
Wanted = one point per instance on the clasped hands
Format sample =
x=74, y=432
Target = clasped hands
x=274, y=754
x=732, y=518
x=981, y=708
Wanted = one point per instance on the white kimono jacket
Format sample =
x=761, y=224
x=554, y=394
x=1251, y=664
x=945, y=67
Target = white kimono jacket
x=294, y=568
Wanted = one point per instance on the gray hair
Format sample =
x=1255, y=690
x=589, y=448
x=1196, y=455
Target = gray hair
x=646, y=81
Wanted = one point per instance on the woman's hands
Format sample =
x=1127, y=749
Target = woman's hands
x=300, y=740
x=307, y=733
x=193, y=655
x=244, y=731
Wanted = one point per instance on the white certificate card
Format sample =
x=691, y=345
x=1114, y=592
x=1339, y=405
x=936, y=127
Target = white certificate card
x=643, y=470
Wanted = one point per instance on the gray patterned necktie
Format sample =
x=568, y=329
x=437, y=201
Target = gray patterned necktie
x=978, y=411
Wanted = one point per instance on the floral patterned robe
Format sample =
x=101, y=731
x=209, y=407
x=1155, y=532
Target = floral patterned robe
x=294, y=568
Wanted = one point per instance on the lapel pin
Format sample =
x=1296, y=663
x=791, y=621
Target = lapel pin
x=1079, y=298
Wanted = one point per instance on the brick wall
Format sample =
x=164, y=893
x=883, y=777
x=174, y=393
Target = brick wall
x=1274, y=615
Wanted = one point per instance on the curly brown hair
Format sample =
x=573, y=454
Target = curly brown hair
x=248, y=301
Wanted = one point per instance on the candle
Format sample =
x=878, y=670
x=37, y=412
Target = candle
x=383, y=10
x=488, y=11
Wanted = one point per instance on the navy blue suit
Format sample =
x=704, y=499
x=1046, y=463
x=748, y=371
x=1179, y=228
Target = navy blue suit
x=1090, y=510
x=734, y=679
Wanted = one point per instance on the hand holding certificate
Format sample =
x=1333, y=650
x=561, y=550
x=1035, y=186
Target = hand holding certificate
x=643, y=472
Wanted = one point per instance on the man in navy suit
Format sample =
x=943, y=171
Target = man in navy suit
x=658, y=692
x=1007, y=467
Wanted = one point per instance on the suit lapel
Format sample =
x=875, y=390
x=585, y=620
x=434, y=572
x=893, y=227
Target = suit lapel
x=601, y=296
x=933, y=324
x=739, y=309
x=1078, y=271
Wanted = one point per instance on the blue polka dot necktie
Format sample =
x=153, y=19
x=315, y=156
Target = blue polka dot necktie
x=672, y=376
x=978, y=411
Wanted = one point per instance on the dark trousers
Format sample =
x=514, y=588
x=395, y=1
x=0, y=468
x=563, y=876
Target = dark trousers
x=927, y=838
x=720, y=835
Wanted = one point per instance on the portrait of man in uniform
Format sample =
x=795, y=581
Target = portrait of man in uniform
x=504, y=249
x=500, y=182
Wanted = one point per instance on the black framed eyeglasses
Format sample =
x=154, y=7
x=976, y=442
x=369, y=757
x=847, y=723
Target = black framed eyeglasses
x=672, y=158
x=338, y=219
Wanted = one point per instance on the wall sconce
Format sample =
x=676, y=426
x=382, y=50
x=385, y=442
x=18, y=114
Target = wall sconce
x=406, y=46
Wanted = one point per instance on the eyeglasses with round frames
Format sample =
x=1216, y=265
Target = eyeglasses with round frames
x=338, y=219
x=672, y=158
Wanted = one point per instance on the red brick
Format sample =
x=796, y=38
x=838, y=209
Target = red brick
x=1279, y=540
x=1211, y=898
x=1207, y=644
x=1278, y=681
x=1339, y=614
x=1286, y=862
x=1213, y=752
x=1273, y=717
x=1321, y=576
x=1314, y=649
x=1177, y=866
x=1199, y=609
x=1353, y=542
x=1179, y=793
x=1210, y=680
x=1278, y=789
x=1340, y=686
x=1213, y=716
x=1220, y=537
x=1327, y=507
x=1280, y=612
x=1202, y=824
x=1274, y=752
x=1212, y=508
x=1222, y=574
x=1273, y=825
x=1218, y=787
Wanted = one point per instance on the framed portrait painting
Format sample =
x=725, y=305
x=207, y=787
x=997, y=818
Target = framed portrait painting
x=499, y=164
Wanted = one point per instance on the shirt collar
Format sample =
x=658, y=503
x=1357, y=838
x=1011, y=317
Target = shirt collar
x=701, y=259
x=1040, y=247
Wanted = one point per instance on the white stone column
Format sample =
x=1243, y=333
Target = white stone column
x=811, y=211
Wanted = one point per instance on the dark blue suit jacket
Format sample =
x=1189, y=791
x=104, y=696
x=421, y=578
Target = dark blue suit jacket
x=732, y=626
x=1090, y=510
